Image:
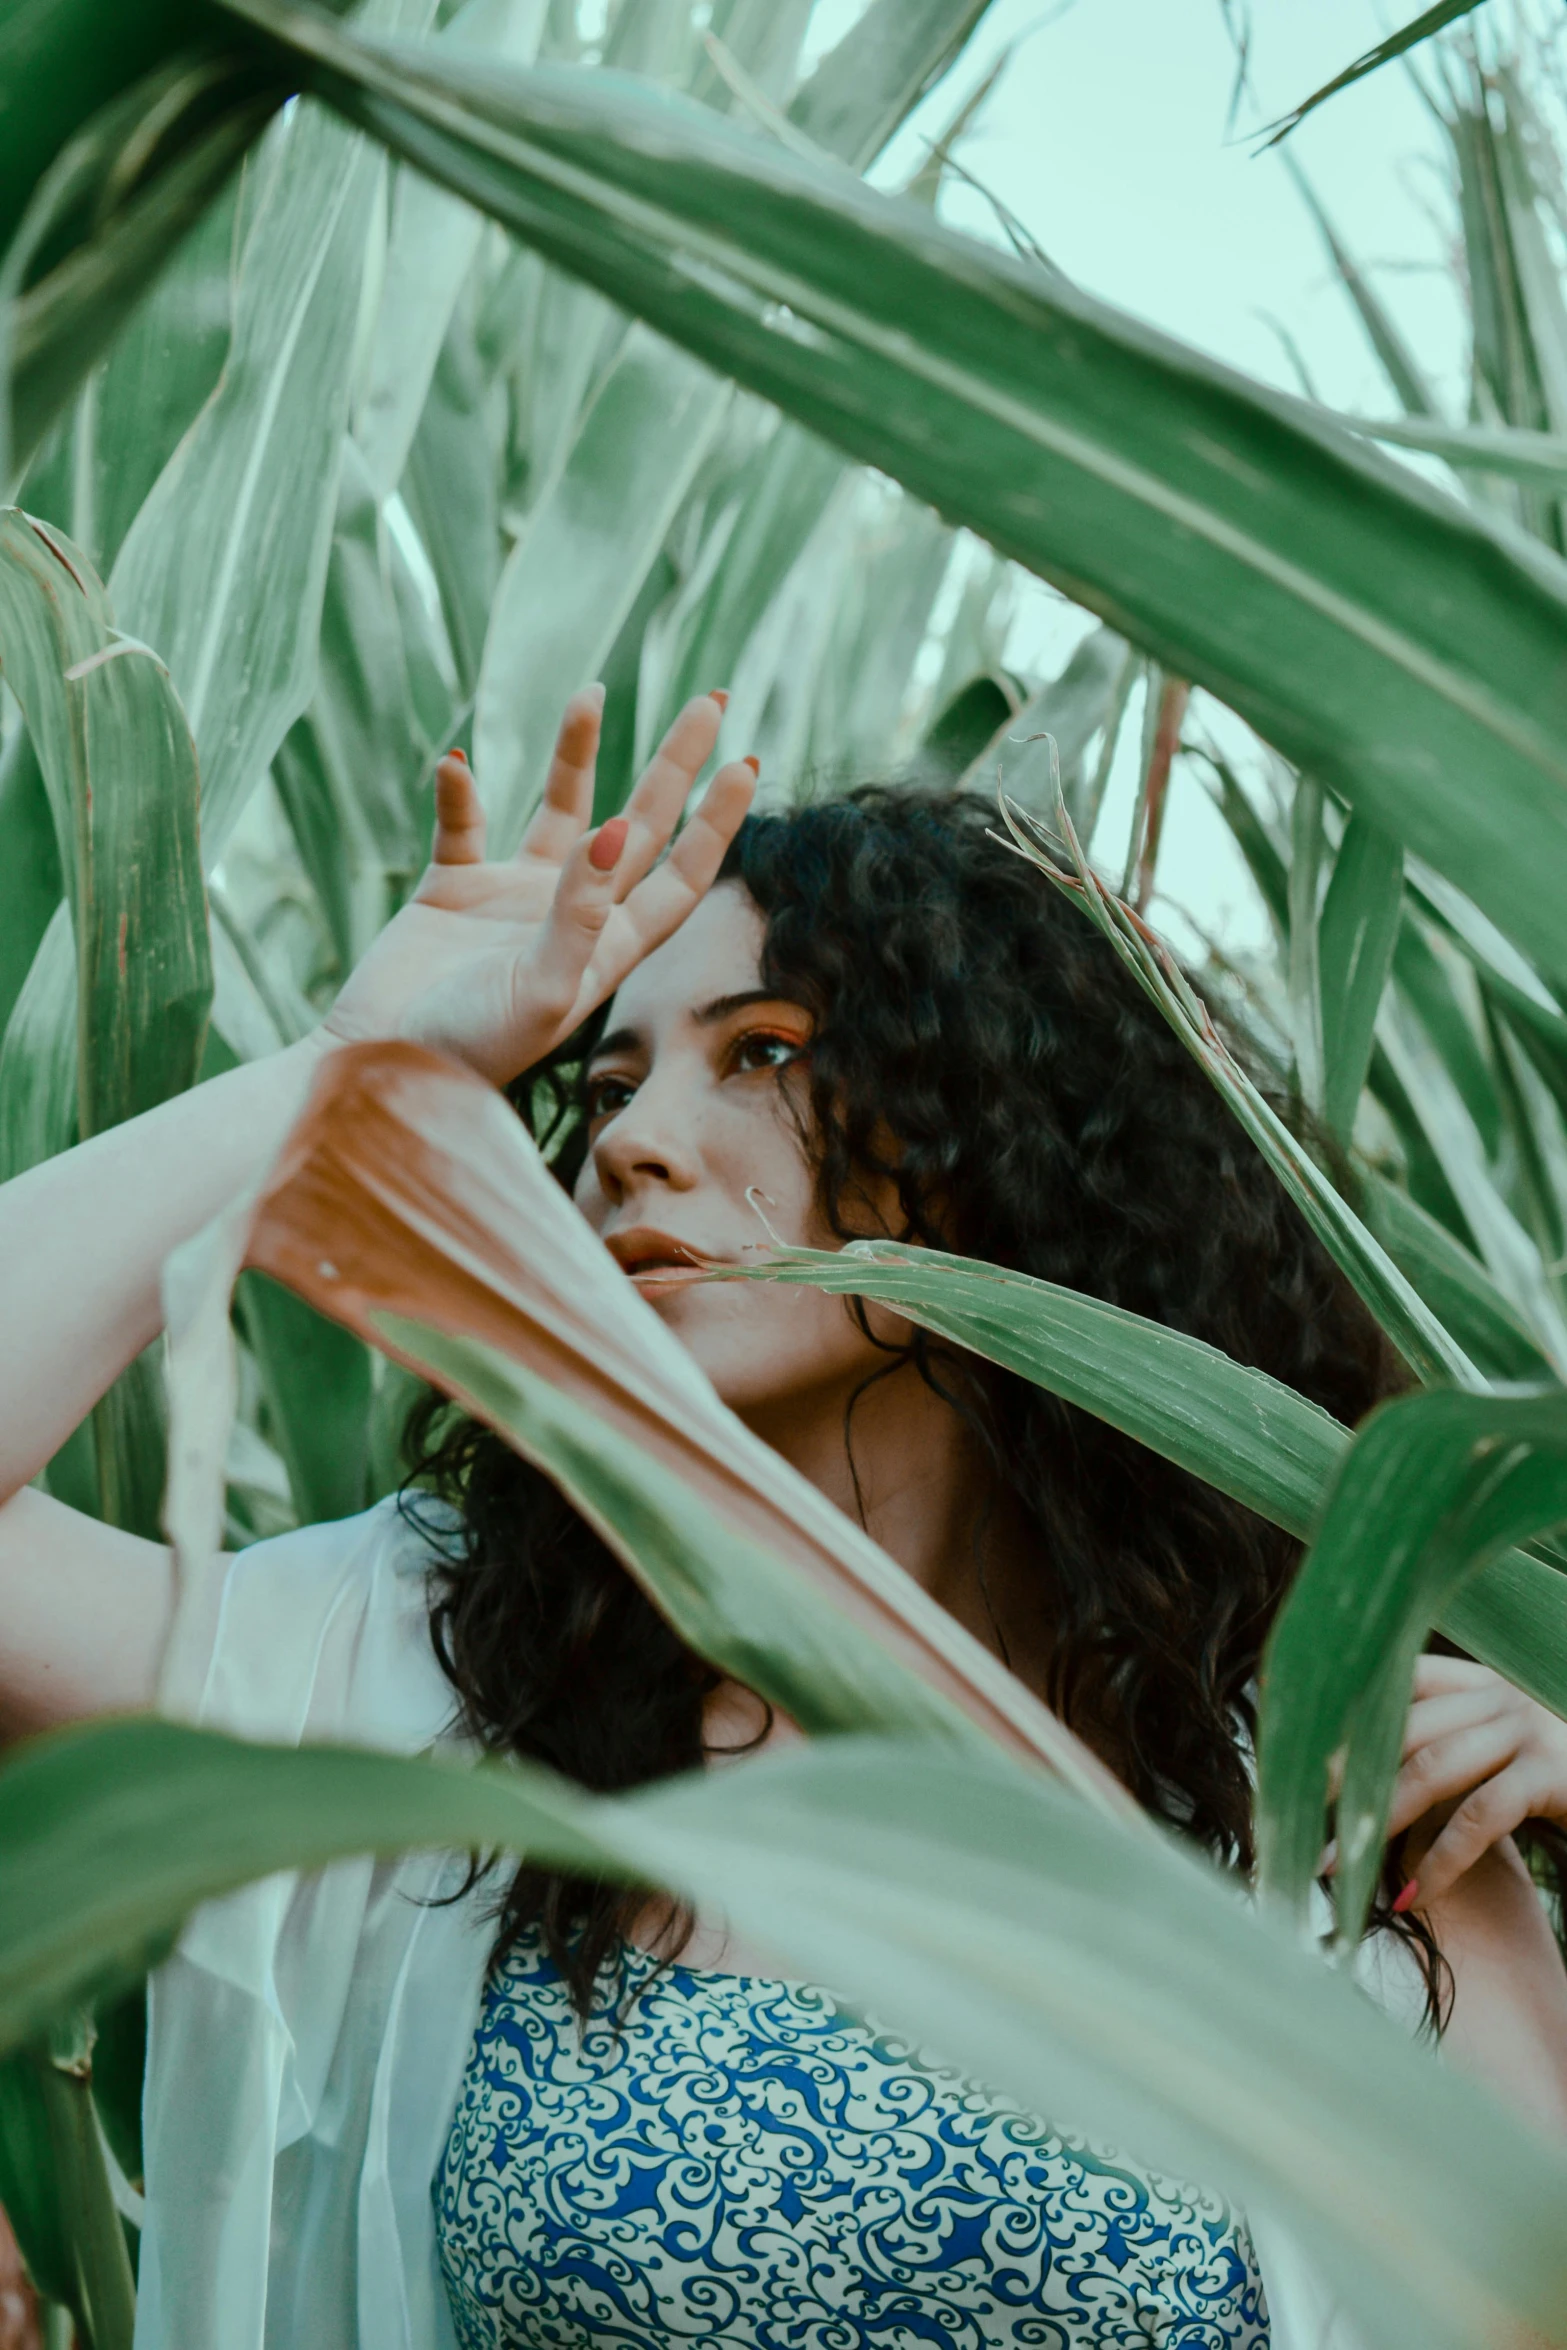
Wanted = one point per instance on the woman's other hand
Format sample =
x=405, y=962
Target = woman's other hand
x=1479, y=1759
x=495, y=964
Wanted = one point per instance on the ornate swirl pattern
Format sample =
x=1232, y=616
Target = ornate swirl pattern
x=730, y=2160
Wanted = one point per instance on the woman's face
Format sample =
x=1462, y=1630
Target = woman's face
x=689, y=1099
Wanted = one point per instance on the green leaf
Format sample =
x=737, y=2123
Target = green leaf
x=1263, y=859
x=1370, y=626
x=1514, y=454
x=1433, y=1487
x=779, y=498
x=315, y=1377
x=31, y=881
x=1305, y=992
x=1398, y=362
x=1454, y=1284
x=882, y=618
x=160, y=372
x=121, y=205
x=354, y=772
x=731, y=1599
x=1355, y=940
x=1513, y=281
x=119, y=2063
x=1428, y=1185
x=397, y=1161
x=1114, y=1984
x=1511, y=1256
x=55, y=2184
x=60, y=61
x=129, y=1444
x=574, y=574
x=451, y=491
x=38, y=1056
x=594, y=536
x=1086, y=700
x=431, y=246
x=963, y=730
x=120, y=771
x=1431, y=1351
x=1252, y=1437
x=1420, y=28
x=893, y=53
x=225, y=565
x=1429, y=979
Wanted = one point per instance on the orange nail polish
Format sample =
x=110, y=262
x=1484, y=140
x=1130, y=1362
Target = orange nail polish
x=751, y=761
x=457, y=752
x=719, y=694
x=1407, y=1898
x=608, y=841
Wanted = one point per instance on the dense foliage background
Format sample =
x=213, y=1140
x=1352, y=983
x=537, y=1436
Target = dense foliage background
x=366, y=394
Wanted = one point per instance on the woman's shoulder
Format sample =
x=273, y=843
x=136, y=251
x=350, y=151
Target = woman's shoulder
x=323, y=1633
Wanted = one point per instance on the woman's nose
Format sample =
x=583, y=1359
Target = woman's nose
x=649, y=1142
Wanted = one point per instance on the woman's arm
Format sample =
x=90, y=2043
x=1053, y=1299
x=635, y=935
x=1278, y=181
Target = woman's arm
x=83, y=1607
x=1480, y=1759
x=491, y=963
x=83, y=1238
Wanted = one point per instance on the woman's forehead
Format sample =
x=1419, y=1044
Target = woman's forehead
x=715, y=952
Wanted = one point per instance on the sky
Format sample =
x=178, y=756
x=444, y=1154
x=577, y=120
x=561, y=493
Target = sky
x=1107, y=136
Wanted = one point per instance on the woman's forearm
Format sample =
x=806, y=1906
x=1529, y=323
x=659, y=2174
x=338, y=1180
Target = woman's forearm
x=83, y=1238
x=1509, y=2017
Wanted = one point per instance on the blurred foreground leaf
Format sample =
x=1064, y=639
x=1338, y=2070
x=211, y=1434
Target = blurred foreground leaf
x=1434, y=1486
x=1100, y=1978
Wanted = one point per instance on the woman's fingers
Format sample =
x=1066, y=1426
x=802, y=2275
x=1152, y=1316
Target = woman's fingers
x=663, y=788
x=563, y=813
x=657, y=906
x=1485, y=1816
x=1436, y=1674
x=1455, y=1709
x=549, y=981
x=1449, y=1767
x=459, y=814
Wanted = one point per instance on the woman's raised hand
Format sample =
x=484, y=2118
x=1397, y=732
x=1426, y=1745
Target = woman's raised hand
x=495, y=964
x=1479, y=1759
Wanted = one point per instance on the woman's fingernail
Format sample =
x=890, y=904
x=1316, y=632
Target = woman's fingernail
x=594, y=692
x=608, y=841
x=720, y=695
x=1407, y=1899
x=457, y=752
x=752, y=762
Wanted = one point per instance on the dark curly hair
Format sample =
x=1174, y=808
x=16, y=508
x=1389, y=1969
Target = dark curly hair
x=977, y=1043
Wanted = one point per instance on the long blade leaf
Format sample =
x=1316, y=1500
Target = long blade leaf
x=1434, y=1485
x=1420, y=28
x=1377, y=631
x=409, y=1188
x=1116, y=1985
x=1240, y=1430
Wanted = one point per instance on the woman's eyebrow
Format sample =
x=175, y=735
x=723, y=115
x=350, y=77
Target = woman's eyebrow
x=624, y=1040
x=630, y=1040
x=708, y=1015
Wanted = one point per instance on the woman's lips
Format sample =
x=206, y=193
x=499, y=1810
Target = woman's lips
x=647, y=1254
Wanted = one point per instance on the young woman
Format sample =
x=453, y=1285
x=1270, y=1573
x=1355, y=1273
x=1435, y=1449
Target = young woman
x=625, y=2129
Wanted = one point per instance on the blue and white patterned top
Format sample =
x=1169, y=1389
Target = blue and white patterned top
x=740, y=2163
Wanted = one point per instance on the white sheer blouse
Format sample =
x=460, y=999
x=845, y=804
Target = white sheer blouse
x=308, y=2037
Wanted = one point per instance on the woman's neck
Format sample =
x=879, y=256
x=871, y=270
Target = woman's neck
x=918, y=1483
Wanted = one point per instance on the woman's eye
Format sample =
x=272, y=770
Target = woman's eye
x=608, y=1096
x=760, y=1050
